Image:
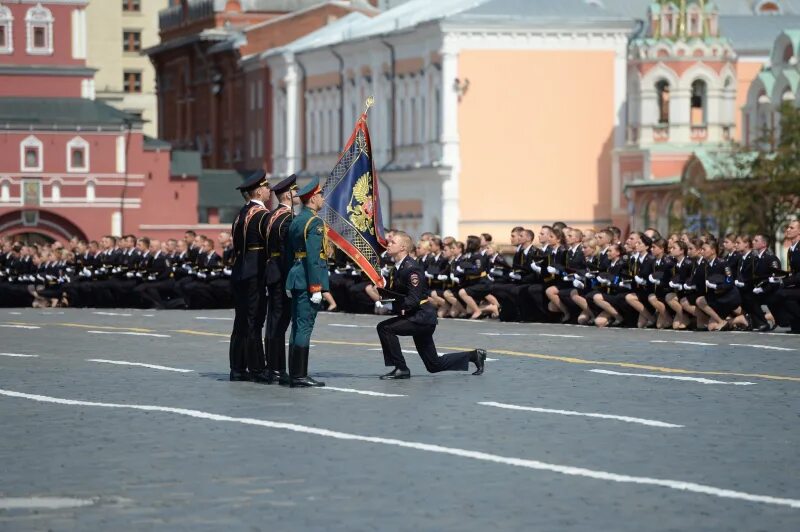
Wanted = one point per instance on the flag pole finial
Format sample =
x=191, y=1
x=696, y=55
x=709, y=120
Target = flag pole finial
x=369, y=103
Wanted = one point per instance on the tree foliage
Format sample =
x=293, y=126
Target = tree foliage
x=757, y=187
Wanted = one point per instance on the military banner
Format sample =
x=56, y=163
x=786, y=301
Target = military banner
x=352, y=209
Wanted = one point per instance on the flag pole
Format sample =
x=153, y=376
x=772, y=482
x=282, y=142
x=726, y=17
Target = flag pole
x=369, y=103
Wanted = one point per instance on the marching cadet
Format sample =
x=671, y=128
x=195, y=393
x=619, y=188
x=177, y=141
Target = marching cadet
x=279, y=312
x=416, y=317
x=785, y=302
x=247, y=281
x=307, y=279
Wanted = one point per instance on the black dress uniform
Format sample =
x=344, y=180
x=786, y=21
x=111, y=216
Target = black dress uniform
x=249, y=232
x=279, y=310
x=785, y=302
x=416, y=317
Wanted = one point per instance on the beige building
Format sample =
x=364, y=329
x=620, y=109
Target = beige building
x=118, y=31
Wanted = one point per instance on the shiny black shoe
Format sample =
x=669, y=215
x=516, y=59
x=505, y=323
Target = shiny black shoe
x=261, y=377
x=239, y=376
x=284, y=379
x=305, y=382
x=396, y=374
x=479, y=359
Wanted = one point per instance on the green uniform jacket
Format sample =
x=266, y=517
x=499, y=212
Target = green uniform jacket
x=305, y=245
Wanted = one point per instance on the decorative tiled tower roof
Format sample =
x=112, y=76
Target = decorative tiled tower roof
x=681, y=77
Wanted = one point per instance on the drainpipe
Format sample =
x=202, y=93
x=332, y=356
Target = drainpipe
x=303, y=85
x=392, y=128
x=128, y=128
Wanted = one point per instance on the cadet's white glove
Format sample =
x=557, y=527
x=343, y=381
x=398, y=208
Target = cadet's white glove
x=535, y=267
x=577, y=284
x=688, y=287
x=675, y=285
x=711, y=285
x=454, y=278
x=201, y=275
x=129, y=275
x=227, y=271
x=652, y=279
x=428, y=275
x=775, y=280
x=151, y=277
x=552, y=270
x=739, y=284
x=589, y=275
x=639, y=280
x=515, y=276
x=385, y=271
x=604, y=281
x=758, y=290
x=496, y=272
x=459, y=269
x=316, y=298
x=442, y=277
x=288, y=293
x=355, y=273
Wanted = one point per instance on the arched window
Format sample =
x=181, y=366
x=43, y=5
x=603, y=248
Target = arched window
x=30, y=155
x=662, y=100
x=39, y=23
x=77, y=155
x=6, y=31
x=768, y=7
x=698, y=103
x=667, y=22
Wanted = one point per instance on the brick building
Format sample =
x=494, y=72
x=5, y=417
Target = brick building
x=70, y=165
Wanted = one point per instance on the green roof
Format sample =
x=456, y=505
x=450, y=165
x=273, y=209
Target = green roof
x=151, y=143
x=725, y=164
x=217, y=188
x=185, y=163
x=66, y=112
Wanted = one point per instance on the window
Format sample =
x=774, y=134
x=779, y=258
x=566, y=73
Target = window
x=131, y=41
x=77, y=155
x=6, y=26
x=39, y=22
x=131, y=5
x=662, y=100
x=698, y=103
x=132, y=82
x=31, y=155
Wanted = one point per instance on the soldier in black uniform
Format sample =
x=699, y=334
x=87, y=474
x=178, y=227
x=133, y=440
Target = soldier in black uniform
x=249, y=233
x=279, y=311
x=785, y=302
x=416, y=317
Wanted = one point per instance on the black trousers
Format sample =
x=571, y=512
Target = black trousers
x=389, y=330
x=785, y=306
x=246, y=349
x=279, y=316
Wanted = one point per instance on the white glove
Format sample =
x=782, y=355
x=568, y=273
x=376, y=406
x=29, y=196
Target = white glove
x=711, y=285
x=316, y=298
x=151, y=277
x=496, y=272
x=442, y=277
x=604, y=281
x=50, y=277
x=201, y=275
x=515, y=276
x=139, y=275
x=128, y=275
x=675, y=285
x=535, y=267
x=378, y=305
x=589, y=275
x=652, y=279
x=337, y=270
x=758, y=290
x=639, y=280
x=550, y=269
x=459, y=269
x=288, y=293
x=226, y=271
x=739, y=284
x=385, y=271
x=428, y=275
x=775, y=280
x=454, y=278
x=577, y=284
x=355, y=273
x=688, y=287
x=115, y=270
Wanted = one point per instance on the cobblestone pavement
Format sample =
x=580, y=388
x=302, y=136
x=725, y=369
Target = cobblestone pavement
x=709, y=440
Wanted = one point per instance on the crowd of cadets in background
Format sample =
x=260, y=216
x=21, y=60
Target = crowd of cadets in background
x=587, y=277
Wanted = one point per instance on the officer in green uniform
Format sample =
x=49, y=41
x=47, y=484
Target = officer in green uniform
x=308, y=277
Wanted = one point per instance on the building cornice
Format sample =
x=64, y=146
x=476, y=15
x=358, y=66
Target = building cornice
x=46, y=70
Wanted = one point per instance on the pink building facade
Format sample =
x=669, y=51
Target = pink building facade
x=71, y=166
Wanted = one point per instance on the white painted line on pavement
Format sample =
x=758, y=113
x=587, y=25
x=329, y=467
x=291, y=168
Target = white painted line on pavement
x=561, y=335
x=759, y=346
x=140, y=364
x=47, y=503
x=130, y=333
x=21, y=326
x=627, y=419
x=20, y=355
x=51, y=313
x=361, y=392
x=15, y=313
x=533, y=334
x=409, y=351
x=212, y=318
x=673, y=377
x=679, y=342
x=677, y=485
x=99, y=313
x=350, y=325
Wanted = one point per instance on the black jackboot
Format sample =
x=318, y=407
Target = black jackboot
x=300, y=379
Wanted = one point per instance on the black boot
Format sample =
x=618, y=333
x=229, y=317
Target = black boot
x=478, y=357
x=276, y=360
x=302, y=380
